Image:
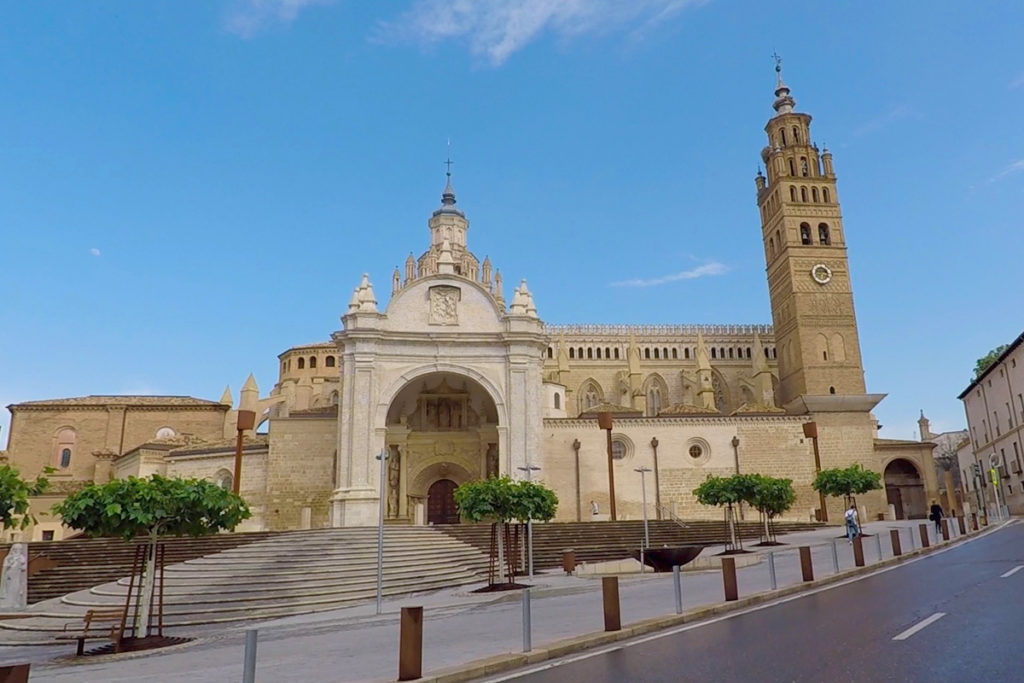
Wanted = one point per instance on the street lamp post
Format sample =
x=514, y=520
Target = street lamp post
x=246, y=421
x=604, y=421
x=643, y=498
x=529, y=470
x=383, y=457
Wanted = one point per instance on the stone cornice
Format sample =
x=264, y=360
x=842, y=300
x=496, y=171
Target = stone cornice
x=655, y=330
x=576, y=423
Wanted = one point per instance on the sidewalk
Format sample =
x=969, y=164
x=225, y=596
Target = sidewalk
x=354, y=644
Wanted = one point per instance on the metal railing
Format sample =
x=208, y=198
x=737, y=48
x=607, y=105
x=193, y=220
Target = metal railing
x=667, y=513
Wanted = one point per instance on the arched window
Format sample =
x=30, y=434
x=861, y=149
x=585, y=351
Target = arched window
x=653, y=401
x=550, y=353
x=312, y=362
x=805, y=233
x=302, y=363
x=792, y=193
x=579, y=352
x=824, y=194
x=330, y=361
x=831, y=390
x=675, y=354
x=664, y=354
x=607, y=352
x=730, y=352
x=599, y=353
x=771, y=246
x=823, y=235
x=766, y=353
x=558, y=401
x=814, y=194
x=590, y=353
x=803, y=194
x=803, y=166
x=224, y=479
x=796, y=134
x=714, y=352
x=655, y=354
x=647, y=354
x=65, y=447
x=778, y=238
x=748, y=352
x=792, y=167
x=686, y=353
x=616, y=354
x=572, y=352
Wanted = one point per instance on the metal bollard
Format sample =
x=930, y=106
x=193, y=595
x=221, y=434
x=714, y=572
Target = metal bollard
x=878, y=542
x=806, y=566
x=249, y=660
x=858, y=551
x=962, y=523
x=527, y=644
x=610, y=595
x=410, y=644
x=729, y=579
x=835, y=558
x=945, y=528
x=923, y=528
x=897, y=548
x=677, y=582
x=771, y=570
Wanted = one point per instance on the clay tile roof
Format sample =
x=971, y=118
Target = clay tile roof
x=100, y=400
x=688, y=409
x=222, y=445
x=611, y=408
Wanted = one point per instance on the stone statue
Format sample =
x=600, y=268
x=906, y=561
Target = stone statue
x=14, y=583
x=394, y=472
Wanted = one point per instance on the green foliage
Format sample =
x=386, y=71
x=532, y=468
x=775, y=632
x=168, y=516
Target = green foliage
x=499, y=499
x=14, y=495
x=732, y=490
x=846, y=482
x=772, y=496
x=157, y=506
x=988, y=359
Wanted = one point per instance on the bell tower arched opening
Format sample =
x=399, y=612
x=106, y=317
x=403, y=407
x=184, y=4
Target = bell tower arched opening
x=904, y=489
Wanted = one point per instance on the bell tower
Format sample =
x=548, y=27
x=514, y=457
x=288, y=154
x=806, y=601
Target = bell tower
x=805, y=252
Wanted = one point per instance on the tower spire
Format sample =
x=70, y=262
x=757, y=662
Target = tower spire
x=784, y=102
x=448, y=195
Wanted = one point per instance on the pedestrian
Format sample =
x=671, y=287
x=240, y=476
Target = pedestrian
x=936, y=516
x=594, y=510
x=852, y=526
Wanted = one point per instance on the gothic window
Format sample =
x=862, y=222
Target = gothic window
x=302, y=363
x=796, y=134
x=329, y=362
x=664, y=354
x=579, y=353
x=599, y=353
x=590, y=353
x=778, y=238
x=783, y=133
x=748, y=353
x=655, y=354
x=607, y=352
x=312, y=362
x=686, y=353
x=814, y=194
x=823, y=236
x=803, y=194
x=616, y=354
x=558, y=401
x=714, y=352
x=730, y=352
x=647, y=354
x=792, y=193
x=792, y=168
x=572, y=352
x=805, y=233
x=589, y=395
x=771, y=246
x=653, y=401
x=766, y=355
x=824, y=194
x=675, y=354
x=803, y=166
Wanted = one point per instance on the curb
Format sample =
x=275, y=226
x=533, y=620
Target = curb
x=495, y=664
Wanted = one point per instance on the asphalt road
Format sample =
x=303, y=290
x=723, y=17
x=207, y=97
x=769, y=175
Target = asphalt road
x=847, y=633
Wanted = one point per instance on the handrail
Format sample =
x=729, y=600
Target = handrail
x=666, y=512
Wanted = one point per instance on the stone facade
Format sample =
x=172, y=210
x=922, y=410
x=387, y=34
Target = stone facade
x=453, y=382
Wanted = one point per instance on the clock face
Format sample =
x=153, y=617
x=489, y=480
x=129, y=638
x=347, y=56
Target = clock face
x=821, y=273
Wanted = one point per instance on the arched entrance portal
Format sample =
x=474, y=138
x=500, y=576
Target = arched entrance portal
x=442, y=431
x=441, y=507
x=904, y=490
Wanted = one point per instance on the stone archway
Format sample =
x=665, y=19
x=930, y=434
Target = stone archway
x=441, y=426
x=441, y=508
x=904, y=489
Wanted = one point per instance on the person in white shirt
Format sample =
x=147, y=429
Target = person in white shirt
x=852, y=526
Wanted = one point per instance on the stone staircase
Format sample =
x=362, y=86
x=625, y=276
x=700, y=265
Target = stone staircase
x=602, y=541
x=284, y=574
x=86, y=562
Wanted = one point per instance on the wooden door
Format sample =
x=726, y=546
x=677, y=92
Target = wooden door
x=441, y=503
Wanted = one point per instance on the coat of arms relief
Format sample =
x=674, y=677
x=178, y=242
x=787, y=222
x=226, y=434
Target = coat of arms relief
x=444, y=305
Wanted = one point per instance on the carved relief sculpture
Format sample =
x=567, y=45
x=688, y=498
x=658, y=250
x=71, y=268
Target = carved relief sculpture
x=444, y=305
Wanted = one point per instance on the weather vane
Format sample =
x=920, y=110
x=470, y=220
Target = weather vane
x=448, y=163
x=778, y=62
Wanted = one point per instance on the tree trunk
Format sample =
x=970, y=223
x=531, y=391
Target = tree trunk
x=501, y=553
x=732, y=527
x=148, y=586
x=767, y=529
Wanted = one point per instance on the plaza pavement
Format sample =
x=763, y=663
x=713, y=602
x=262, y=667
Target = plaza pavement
x=354, y=644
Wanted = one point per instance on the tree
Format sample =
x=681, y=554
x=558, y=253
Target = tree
x=988, y=359
x=499, y=500
x=152, y=508
x=771, y=498
x=728, y=492
x=847, y=482
x=14, y=497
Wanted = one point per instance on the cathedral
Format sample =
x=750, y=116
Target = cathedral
x=456, y=378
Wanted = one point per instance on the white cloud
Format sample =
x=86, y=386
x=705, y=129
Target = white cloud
x=247, y=18
x=713, y=268
x=94, y=251
x=495, y=29
x=1014, y=167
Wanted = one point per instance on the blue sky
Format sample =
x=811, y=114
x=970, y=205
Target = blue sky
x=187, y=188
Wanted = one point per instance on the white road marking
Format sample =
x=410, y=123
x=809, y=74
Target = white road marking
x=920, y=625
x=1012, y=571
